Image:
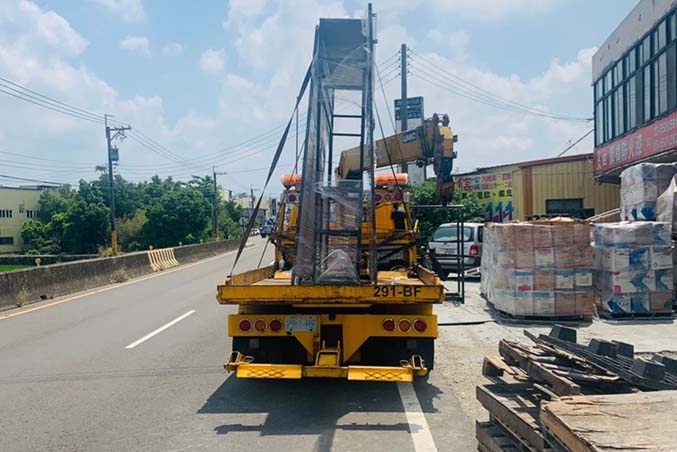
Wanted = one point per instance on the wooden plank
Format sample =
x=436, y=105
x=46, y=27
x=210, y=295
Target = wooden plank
x=493, y=438
x=251, y=276
x=493, y=366
x=643, y=421
x=503, y=403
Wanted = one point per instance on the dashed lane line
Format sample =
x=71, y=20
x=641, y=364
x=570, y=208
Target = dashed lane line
x=159, y=330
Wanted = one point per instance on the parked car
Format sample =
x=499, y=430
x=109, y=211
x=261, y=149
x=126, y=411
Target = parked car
x=445, y=244
x=265, y=230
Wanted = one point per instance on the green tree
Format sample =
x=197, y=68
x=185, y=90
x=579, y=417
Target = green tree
x=130, y=231
x=431, y=218
x=178, y=216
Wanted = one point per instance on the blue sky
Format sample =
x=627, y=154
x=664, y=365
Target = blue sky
x=198, y=77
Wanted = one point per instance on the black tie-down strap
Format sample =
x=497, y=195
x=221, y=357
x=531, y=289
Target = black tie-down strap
x=278, y=152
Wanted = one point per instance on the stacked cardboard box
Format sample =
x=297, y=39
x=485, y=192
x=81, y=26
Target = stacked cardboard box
x=538, y=269
x=641, y=185
x=633, y=267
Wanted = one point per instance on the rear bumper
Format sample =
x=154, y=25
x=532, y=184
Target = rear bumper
x=244, y=368
x=451, y=264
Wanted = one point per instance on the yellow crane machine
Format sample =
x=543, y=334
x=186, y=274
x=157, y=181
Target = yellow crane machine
x=345, y=297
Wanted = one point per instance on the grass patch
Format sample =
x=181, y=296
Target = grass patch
x=9, y=268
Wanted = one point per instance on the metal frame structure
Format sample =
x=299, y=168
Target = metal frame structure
x=343, y=59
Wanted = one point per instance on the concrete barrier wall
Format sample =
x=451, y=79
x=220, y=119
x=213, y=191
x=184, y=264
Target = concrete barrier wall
x=45, y=259
x=33, y=284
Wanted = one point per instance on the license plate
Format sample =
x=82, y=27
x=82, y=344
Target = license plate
x=447, y=251
x=300, y=323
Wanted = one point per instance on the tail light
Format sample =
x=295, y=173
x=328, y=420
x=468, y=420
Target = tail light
x=389, y=325
x=291, y=198
x=397, y=196
x=404, y=325
x=474, y=250
x=260, y=325
x=378, y=197
x=275, y=325
x=420, y=325
x=388, y=197
x=245, y=325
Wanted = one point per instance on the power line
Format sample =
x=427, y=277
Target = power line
x=474, y=92
x=25, y=179
x=573, y=145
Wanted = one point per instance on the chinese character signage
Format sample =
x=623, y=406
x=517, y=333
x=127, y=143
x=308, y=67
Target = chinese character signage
x=653, y=139
x=494, y=191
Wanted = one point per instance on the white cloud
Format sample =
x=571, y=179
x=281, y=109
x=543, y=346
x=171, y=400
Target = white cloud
x=129, y=10
x=172, y=49
x=136, y=43
x=213, y=61
x=243, y=9
x=478, y=10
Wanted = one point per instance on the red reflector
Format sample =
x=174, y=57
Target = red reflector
x=397, y=196
x=260, y=325
x=389, y=325
x=275, y=325
x=404, y=325
x=420, y=326
x=245, y=325
x=388, y=197
x=378, y=197
x=474, y=251
x=291, y=198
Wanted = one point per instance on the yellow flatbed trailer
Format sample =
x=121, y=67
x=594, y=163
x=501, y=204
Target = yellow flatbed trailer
x=331, y=326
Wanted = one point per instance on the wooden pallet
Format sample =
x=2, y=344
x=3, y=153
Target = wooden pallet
x=640, y=421
x=571, y=320
x=492, y=438
x=635, y=315
x=515, y=407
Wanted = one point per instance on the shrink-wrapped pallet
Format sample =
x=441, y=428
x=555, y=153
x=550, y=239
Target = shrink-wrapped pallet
x=667, y=205
x=633, y=270
x=541, y=269
x=641, y=185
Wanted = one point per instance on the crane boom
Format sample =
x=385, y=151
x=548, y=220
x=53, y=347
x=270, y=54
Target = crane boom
x=431, y=142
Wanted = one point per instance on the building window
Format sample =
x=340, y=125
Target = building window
x=661, y=84
x=30, y=214
x=6, y=241
x=662, y=38
x=599, y=127
x=568, y=207
x=620, y=110
x=647, y=93
x=672, y=76
x=6, y=213
x=646, y=49
x=673, y=27
x=631, y=91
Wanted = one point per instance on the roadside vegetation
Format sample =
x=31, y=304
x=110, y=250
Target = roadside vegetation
x=9, y=268
x=430, y=218
x=157, y=213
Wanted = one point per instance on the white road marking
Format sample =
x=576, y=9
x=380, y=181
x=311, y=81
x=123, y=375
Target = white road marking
x=159, y=330
x=418, y=426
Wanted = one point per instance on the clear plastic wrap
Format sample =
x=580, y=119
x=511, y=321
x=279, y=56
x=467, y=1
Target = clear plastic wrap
x=339, y=268
x=667, y=205
x=640, y=187
x=538, y=269
x=633, y=267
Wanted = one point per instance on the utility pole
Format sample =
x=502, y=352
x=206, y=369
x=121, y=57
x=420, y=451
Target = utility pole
x=251, y=201
x=403, y=105
x=215, y=213
x=113, y=155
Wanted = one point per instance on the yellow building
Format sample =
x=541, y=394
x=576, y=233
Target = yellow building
x=17, y=204
x=548, y=187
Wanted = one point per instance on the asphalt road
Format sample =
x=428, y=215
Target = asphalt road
x=88, y=375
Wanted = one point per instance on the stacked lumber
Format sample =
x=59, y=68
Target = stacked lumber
x=554, y=373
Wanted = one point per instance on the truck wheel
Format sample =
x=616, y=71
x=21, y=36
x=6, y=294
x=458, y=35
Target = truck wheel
x=426, y=348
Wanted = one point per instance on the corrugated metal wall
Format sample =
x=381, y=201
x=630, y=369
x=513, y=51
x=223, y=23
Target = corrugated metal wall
x=564, y=180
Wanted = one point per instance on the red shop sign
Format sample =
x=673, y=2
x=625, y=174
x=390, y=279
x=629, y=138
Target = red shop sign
x=653, y=139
